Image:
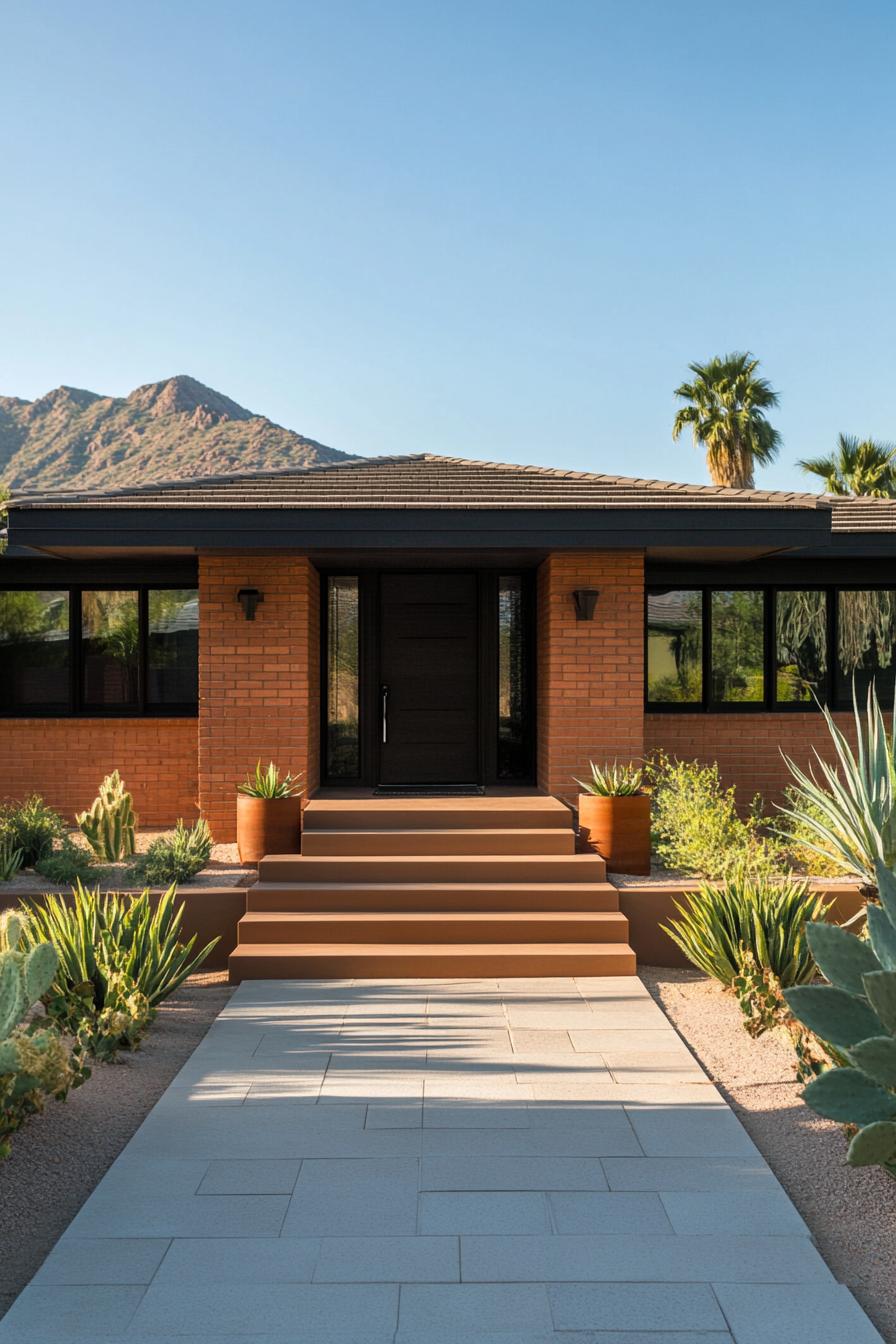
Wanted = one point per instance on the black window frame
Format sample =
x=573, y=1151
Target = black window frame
x=770, y=703
x=76, y=707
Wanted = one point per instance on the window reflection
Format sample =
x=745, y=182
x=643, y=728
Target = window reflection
x=512, y=679
x=109, y=647
x=675, y=647
x=738, y=646
x=801, y=645
x=34, y=666
x=343, y=737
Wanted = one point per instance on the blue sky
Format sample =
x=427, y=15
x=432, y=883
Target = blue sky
x=492, y=228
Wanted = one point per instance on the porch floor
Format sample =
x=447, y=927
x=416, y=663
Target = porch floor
x=439, y=1162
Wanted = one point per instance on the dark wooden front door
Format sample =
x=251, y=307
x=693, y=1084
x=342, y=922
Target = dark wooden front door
x=429, y=679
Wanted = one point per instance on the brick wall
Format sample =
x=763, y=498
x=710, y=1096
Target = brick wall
x=259, y=693
x=64, y=761
x=747, y=746
x=590, y=673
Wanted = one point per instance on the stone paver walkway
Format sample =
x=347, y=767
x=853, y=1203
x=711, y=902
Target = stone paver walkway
x=439, y=1162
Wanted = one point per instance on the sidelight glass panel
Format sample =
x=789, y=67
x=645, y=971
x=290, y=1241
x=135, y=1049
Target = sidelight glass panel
x=738, y=646
x=512, y=680
x=866, y=644
x=343, y=737
x=675, y=647
x=172, y=646
x=109, y=648
x=801, y=646
x=34, y=666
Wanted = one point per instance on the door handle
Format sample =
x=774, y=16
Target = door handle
x=384, y=697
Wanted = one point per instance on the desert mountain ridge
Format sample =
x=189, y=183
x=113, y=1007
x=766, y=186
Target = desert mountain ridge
x=72, y=438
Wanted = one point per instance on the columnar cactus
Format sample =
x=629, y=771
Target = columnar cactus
x=856, y=1015
x=110, y=824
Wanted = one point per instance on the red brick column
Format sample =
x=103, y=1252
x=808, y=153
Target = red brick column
x=590, y=673
x=259, y=681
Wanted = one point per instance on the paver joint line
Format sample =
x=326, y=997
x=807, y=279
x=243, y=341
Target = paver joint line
x=430, y=1162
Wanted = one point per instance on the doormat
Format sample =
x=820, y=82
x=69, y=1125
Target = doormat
x=418, y=791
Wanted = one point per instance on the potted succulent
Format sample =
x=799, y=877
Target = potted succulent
x=614, y=817
x=268, y=814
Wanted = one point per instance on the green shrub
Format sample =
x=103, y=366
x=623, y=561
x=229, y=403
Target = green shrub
x=32, y=827
x=270, y=784
x=10, y=859
x=695, y=824
x=34, y=1062
x=746, y=914
x=176, y=857
x=110, y=824
x=850, y=812
x=856, y=1013
x=118, y=959
x=67, y=865
x=613, y=781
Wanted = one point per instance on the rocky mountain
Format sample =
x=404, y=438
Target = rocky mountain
x=162, y=431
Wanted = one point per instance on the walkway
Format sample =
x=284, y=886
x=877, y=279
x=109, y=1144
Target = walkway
x=439, y=1162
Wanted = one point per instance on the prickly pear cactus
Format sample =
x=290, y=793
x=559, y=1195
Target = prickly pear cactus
x=111, y=823
x=856, y=1013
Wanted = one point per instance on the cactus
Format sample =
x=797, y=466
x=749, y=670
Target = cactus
x=856, y=1014
x=110, y=824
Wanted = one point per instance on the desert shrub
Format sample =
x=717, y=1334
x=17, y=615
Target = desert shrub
x=745, y=914
x=67, y=865
x=696, y=827
x=118, y=959
x=34, y=1061
x=10, y=859
x=176, y=857
x=799, y=836
x=32, y=827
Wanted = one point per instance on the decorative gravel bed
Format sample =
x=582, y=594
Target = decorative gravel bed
x=60, y=1156
x=851, y=1212
x=223, y=870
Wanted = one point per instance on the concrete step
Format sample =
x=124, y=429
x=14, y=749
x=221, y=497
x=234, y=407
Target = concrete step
x=469, y=840
x=427, y=926
x=385, y=896
x=490, y=813
x=404, y=868
x=299, y=961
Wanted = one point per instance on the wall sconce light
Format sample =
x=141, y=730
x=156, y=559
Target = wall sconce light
x=585, y=600
x=249, y=599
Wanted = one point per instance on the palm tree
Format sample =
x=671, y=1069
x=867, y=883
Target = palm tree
x=726, y=411
x=857, y=467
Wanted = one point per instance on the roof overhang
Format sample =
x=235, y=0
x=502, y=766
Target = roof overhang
x=757, y=528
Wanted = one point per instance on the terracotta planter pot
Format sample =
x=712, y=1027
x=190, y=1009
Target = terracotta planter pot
x=618, y=829
x=267, y=826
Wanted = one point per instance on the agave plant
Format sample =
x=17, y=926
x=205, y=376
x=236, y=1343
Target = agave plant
x=851, y=809
x=270, y=783
x=856, y=1014
x=613, y=781
x=746, y=913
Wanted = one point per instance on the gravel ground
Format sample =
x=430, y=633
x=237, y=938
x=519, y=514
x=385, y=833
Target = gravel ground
x=58, y=1157
x=222, y=870
x=851, y=1212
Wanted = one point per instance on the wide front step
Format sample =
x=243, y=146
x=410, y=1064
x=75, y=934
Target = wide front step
x=427, y=926
x=404, y=868
x=372, y=896
x=404, y=814
x=548, y=840
x=302, y=961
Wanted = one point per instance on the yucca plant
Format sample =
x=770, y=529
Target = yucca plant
x=848, y=815
x=613, y=781
x=10, y=859
x=177, y=857
x=856, y=1014
x=748, y=914
x=270, y=784
x=118, y=959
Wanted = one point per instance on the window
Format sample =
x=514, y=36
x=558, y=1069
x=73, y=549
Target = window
x=343, y=736
x=738, y=646
x=866, y=643
x=801, y=645
x=513, y=749
x=128, y=651
x=675, y=647
x=34, y=648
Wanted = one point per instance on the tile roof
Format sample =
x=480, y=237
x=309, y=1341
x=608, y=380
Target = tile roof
x=862, y=515
x=422, y=481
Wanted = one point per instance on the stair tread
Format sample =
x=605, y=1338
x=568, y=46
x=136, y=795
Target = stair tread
x=435, y=949
x=430, y=916
x=545, y=885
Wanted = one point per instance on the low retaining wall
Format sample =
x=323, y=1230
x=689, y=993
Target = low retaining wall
x=649, y=906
